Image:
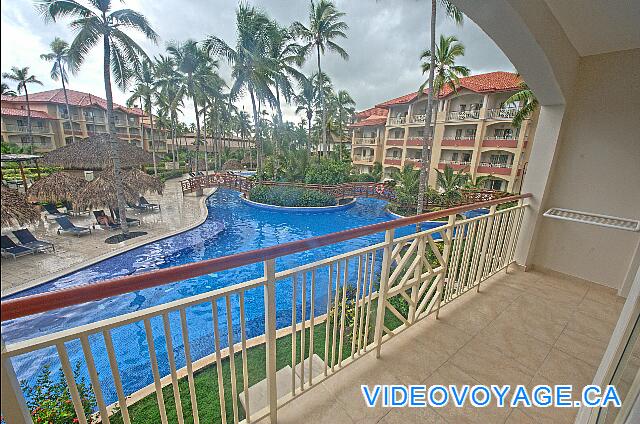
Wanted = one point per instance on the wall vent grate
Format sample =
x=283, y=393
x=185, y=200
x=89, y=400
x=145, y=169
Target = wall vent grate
x=594, y=219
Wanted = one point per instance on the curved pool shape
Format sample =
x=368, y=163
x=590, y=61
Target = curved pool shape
x=245, y=228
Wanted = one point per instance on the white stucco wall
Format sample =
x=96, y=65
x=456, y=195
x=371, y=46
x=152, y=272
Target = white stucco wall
x=597, y=169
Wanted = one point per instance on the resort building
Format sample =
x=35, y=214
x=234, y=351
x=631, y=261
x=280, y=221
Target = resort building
x=53, y=128
x=473, y=132
x=188, y=141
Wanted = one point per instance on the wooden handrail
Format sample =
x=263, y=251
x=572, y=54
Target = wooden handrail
x=43, y=302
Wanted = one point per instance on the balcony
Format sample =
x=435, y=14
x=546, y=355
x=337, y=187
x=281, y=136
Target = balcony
x=500, y=114
x=365, y=141
x=415, y=141
x=363, y=158
x=74, y=116
x=463, y=115
x=75, y=131
x=466, y=141
x=418, y=119
x=494, y=168
x=95, y=119
x=23, y=129
x=454, y=164
x=400, y=120
x=120, y=122
x=501, y=142
x=395, y=141
x=393, y=161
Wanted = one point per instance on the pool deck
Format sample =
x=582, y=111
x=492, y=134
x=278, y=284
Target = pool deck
x=178, y=213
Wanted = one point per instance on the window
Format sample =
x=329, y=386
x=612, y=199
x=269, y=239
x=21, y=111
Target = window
x=454, y=157
x=458, y=134
x=463, y=108
x=470, y=133
x=466, y=157
x=499, y=160
x=504, y=133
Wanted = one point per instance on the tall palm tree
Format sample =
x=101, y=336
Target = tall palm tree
x=345, y=106
x=170, y=97
x=190, y=60
x=450, y=182
x=22, y=77
x=252, y=68
x=92, y=22
x=325, y=25
x=7, y=91
x=306, y=101
x=454, y=13
x=61, y=58
x=528, y=103
x=145, y=92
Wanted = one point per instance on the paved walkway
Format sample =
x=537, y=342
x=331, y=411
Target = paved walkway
x=177, y=214
x=522, y=328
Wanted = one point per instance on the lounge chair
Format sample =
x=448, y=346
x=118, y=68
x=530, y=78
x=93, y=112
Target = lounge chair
x=134, y=221
x=52, y=211
x=9, y=248
x=67, y=226
x=27, y=239
x=192, y=174
x=109, y=226
x=145, y=204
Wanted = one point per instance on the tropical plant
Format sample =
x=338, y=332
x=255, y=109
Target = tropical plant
x=23, y=78
x=406, y=188
x=476, y=183
x=325, y=26
x=145, y=92
x=450, y=182
x=92, y=22
x=252, y=67
x=528, y=103
x=454, y=13
x=345, y=106
x=61, y=58
x=170, y=97
x=305, y=101
x=7, y=91
x=290, y=196
x=328, y=171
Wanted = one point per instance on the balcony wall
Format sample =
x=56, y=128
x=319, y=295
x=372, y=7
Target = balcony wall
x=500, y=143
x=450, y=142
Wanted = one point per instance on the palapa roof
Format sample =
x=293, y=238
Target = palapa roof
x=56, y=187
x=142, y=182
x=14, y=208
x=95, y=154
x=101, y=192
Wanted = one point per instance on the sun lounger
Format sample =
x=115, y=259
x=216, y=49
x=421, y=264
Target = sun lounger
x=145, y=204
x=68, y=227
x=105, y=223
x=9, y=248
x=52, y=211
x=130, y=221
x=27, y=239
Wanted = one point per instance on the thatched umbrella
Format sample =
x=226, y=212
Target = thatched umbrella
x=95, y=154
x=15, y=209
x=57, y=187
x=232, y=165
x=102, y=192
x=142, y=182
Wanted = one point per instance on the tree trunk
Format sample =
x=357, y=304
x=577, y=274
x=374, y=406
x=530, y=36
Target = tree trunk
x=309, y=117
x=29, y=129
x=153, y=151
x=257, y=133
x=426, y=144
x=66, y=103
x=204, y=121
x=324, y=112
x=195, y=108
x=111, y=130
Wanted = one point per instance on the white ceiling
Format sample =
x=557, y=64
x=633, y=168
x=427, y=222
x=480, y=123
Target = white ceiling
x=599, y=26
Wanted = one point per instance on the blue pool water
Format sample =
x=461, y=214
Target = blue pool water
x=245, y=228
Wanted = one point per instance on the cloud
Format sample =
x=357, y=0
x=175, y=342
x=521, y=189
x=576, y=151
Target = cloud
x=385, y=39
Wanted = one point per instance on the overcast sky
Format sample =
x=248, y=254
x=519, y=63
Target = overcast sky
x=385, y=38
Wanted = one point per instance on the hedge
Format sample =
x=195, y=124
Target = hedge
x=290, y=196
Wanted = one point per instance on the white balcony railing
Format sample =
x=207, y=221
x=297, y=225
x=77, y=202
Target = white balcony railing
x=365, y=141
x=463, y=115
x=425, y=270
x=35, y=129
x=507, y=113
x=501, y=137
x=455, y=162
x=359, y=158
x=399, y=120
x=496, y=165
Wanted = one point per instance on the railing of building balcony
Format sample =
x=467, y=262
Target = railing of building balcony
x=424, y=270
x=359, y=158
x=35, y=129
x=365, y=141
x=399, y=120
x=418, y=118
x=95, y=119
x=506, y=113
x=74, y=116
x=455, y=162
x=495, y=165
x=501, y=137
x=463, y=115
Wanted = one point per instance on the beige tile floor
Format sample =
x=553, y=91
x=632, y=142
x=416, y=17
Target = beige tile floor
x=522, y=328
x=177, y=213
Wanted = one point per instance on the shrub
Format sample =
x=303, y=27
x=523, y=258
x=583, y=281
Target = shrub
x=328, y=171
x=290, y=196
x=50, y=401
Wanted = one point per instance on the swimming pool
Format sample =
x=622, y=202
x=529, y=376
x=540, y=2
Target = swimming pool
x=245, y=228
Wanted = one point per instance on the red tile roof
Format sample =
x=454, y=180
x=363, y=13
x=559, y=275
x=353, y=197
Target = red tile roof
x=9, y=111
x=370, y=121
x=76, y=98
x=372, y=111
x=483, y=83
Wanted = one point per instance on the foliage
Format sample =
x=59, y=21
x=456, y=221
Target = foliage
x=528, y=103
x=450, y=182
x=50, y=401
x=165, y=175
x=406, y=185
x=290, y=196
x=328, y=171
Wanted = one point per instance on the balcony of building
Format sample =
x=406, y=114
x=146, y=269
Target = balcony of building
x=496, y=162
x=37, y=127
x=365, y=141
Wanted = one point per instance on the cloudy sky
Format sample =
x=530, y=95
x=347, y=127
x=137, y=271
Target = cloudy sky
x=384, y=44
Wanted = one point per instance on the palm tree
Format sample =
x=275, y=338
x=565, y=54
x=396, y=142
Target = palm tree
x=528, y=103
x=6, y=91
x=306, y=102
x=190, y=60
x=407, y=182
x=22, y=77
x=346, y=108
x=325, y=25
x=450, y=182
x=145, y=91
x=454, y=13
x=170, y=97
x=252, y=67
x=61, y=58
x=121, y=56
